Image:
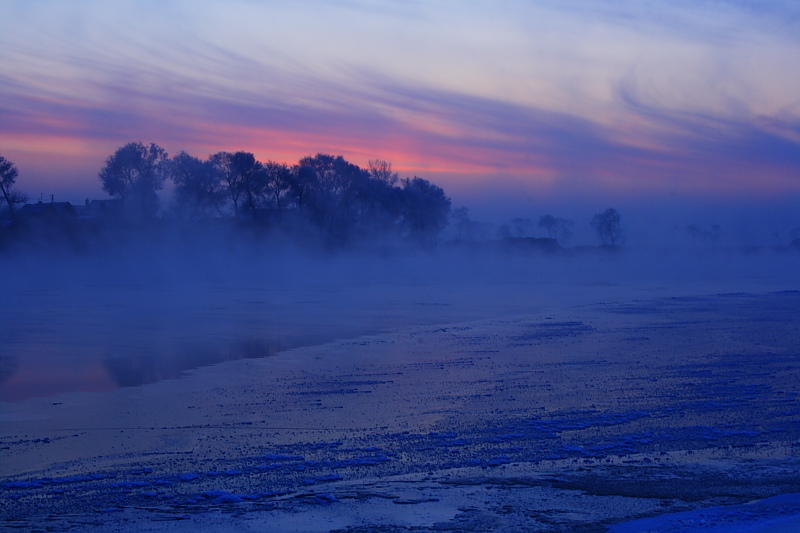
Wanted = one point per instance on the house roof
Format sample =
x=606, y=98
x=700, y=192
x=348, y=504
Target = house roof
x=47, y=208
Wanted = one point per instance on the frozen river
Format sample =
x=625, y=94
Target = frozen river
x=523, y=394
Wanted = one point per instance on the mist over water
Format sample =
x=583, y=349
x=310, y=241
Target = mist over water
x=149, y=310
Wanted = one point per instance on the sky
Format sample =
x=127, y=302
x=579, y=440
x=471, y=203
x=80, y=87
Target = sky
x=515, y=103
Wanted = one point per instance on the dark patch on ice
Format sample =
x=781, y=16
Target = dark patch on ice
x=547, y=331
x=414, y=501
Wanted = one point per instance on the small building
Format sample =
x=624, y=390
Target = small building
x=47, y=211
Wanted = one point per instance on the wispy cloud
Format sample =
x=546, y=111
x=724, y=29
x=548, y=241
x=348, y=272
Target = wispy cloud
x=621, y=96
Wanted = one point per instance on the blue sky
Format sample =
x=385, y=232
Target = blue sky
x=545, y=99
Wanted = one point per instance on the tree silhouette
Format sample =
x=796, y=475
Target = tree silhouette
x=301, y=183
x=198, y=192
x=8, y=178
x=559, y=229
x=382, y=170
x=243, y=179
x=278, y=181
x=427, y=209
x=378, y=202
x=468, y=230
x=325, y=193
x=332, y=200
x=607, y=226
x=134, y=173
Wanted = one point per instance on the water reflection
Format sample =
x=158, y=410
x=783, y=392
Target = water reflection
x=134, y=370
x=71, y=330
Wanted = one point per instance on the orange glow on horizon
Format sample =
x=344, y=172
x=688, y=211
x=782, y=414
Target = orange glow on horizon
x=48, y=146
x=647, y=169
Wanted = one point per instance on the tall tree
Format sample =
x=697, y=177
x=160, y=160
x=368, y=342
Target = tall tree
x=198, y=191
x=135, y=173
x=243, y=179
x=427, y=210
x=334, y=175
x=252, y=180
x=559, y=229
x=607, y=226
x=302, y=182
x=8, y=178
x=378, y=203
x=333, y=195
x=278, y=181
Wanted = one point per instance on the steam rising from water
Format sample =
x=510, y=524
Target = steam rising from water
x=129, y=315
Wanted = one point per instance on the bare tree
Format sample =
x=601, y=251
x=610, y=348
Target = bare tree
x=223, y=164
x=468, y=230
x=607, y=226
x=559, y=229
x=427, y=210
x=302, y=182
x=332, y=203
x=278, y=179
x=198, y=191
x=378, y=204
x=243, y=179
x=8, y=178
x=134, y=173
x=253, y=179
x=382, y=170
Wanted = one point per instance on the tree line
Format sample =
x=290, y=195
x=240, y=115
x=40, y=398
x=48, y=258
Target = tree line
x=607, y=226
x=339, y=199
x=324, y=196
